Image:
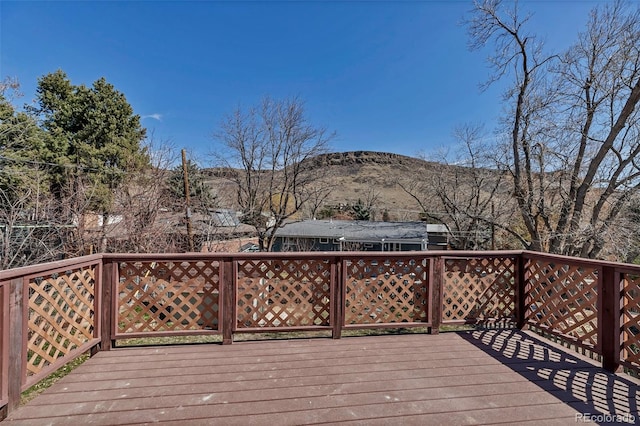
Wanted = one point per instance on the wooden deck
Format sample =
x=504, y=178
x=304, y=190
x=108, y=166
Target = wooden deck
x=476, y=377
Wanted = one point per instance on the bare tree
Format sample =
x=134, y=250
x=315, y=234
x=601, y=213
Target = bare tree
x=573, y=123
x=317, y=193
x=467, y=195
x=274, y=147
x=25, y=239
x=365, y=209
x=352, y=246
x=627, y=235
x=299, y=244
x=140, y=202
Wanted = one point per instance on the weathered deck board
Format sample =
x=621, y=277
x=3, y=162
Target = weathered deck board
x=480, y=377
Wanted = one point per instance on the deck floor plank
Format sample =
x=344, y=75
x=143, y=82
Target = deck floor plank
x=476, y=377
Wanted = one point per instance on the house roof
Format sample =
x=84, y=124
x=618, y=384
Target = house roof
x=354, y=230
x=216, y=224
x=224, y=217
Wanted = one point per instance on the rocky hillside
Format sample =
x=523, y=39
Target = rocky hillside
x=359, y=175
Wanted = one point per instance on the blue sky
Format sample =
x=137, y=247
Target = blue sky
x=385, y=76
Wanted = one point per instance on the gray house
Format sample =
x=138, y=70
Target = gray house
x=351, y=235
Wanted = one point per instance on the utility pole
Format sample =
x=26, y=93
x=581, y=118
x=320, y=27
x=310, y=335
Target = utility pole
x=493, y=226
x=187, y=198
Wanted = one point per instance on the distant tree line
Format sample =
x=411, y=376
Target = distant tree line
x=65, y=155
x=77, y=162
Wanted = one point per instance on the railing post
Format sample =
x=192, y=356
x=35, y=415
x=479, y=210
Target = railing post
x=108, y=315
x=520, y=292
x=609, y=318
x=228, y=299
x=18, y=314
x=436, y=280
x=337, y=297
x=4, y=346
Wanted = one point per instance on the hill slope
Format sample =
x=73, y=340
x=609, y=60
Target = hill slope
x=358, y=175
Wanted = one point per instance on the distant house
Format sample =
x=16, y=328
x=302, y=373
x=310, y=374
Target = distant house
x=214, y=231
x=350, y=235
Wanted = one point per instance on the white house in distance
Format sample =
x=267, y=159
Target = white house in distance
x=359, y=235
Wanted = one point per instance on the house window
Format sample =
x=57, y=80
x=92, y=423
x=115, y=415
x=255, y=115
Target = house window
x=324, y=241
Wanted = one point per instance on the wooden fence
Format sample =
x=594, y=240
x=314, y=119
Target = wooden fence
x=53, y=313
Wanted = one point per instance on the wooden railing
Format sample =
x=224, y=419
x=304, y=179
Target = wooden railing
x=48, y=319
x=53, y=313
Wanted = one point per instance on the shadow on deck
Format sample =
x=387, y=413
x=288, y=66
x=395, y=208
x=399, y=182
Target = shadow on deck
x=597, y=395
x=475, y=377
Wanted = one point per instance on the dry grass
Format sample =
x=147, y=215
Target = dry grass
x=358, y=175
x=44, y=384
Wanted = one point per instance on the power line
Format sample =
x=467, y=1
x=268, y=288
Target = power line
x=66, y=166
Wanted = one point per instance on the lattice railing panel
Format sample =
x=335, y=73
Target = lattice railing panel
x=563, y=298
x=283, y=293
x=168, y=296
x=61, y=315
x=630, y=319
x=386, y=291
x=478, y=289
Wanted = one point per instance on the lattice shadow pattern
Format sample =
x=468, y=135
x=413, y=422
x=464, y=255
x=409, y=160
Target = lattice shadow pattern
x=61, y=315
x=283, y=293
x=478, y=290
x=563, y=299
x=630, y=321
x=168, y=296
x=386, y=291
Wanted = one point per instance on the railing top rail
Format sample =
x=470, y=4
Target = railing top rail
x=303, y=255
x=579, y=260
x=466, y=254
x=44, y=267
x=260, y=255
x=48, y=267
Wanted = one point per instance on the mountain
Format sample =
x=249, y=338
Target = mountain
x=357, y=175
